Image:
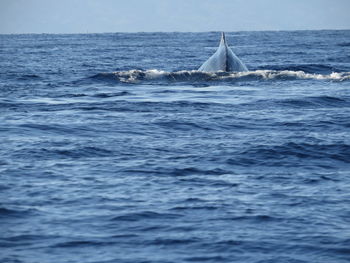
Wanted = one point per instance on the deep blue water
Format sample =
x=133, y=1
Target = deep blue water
x=114, y=149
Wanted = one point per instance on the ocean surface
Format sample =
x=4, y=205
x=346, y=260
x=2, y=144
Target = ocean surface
x=114, y=148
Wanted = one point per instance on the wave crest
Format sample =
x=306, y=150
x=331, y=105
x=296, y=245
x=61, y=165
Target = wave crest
x=154, y=75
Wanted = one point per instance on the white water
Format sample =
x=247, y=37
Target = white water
x=135, y=76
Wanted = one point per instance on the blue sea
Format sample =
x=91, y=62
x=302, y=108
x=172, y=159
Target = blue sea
x=114, y=148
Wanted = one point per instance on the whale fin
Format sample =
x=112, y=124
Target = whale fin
x=223, y=39
x=223, y=59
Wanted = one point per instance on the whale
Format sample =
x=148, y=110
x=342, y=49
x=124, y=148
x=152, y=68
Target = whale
x=223, y=59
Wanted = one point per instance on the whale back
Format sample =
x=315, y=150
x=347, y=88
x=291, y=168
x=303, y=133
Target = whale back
x=223, y=59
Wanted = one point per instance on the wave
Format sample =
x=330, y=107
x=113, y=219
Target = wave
x=154, y=75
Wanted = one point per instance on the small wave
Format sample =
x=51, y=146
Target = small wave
x=151, y=76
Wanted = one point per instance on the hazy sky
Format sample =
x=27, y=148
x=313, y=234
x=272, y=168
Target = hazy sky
x=81, y=16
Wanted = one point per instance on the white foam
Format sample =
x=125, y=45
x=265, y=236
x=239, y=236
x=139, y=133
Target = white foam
x=275, y=74
x=135, y=76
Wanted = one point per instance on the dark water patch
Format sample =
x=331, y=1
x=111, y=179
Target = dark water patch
x=330, y=101
x=292, y=154
x=124, y=236
x=64, y=152
x=209, y=181
x=2, y=163
x=195, y=208
x=196, y=171
x=315, y=102
x=12, y=260
x=21, y=241
x=344, y=44
x=120, y=106
x=4, y=187
x=28, y=238
x=87, y=151
x=146, y=215
x=181, y=172
x=10, y=105
x=182, y=125
x=109, y=95
x=6, y=213
x=72, y=95
x=194, y=200
x=257, y=218
x=207, y=259
x=144, y=228
x=55, y=129
x=282, y=259
x=330, y=125
x=173, y=241
x=176, y=228
x=82, y=243
x=342, y=62
x=29, y=77
x=19, y=76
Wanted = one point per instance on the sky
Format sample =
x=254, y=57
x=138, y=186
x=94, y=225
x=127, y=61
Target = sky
x=97, y=16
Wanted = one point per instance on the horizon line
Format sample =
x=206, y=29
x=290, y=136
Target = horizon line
x=176, y=31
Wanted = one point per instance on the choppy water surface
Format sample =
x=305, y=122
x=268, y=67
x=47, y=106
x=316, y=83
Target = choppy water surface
x=115, y=149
